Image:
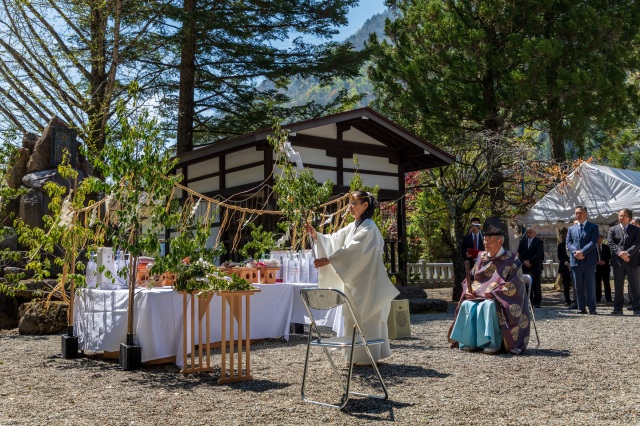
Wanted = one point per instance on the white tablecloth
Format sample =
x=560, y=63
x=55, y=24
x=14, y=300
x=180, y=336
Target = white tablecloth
x=101, y=318
x=270, y=316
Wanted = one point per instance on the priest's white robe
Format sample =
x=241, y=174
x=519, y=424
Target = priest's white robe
x=357, y=269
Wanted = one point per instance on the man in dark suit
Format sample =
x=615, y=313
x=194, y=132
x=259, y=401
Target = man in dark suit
x=472, y=242
x=603, y=271
x=531, y=254
x=624, y=242
x=582, y=239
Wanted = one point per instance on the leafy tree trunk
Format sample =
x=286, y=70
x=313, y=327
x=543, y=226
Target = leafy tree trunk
x=556, y=133
x=186, y=96
x=97, y=78
x=453, y=238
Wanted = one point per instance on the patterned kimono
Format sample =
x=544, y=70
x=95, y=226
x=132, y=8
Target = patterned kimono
x=502, y=277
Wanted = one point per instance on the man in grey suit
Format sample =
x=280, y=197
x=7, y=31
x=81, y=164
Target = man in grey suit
x=581, y=244
x=624, y=242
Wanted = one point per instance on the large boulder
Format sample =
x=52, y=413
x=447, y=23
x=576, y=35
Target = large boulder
x=35, y=288
x=40, y=317
x=32, y=208
x=41, y=156
x=9, y=239
x=29, y=141
x=19, y=168
x=37, y=180
x=14, y=270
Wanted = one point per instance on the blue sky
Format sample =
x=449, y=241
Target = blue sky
x=357, y=15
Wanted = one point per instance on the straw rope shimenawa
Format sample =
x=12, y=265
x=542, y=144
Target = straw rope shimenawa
x=93, y=213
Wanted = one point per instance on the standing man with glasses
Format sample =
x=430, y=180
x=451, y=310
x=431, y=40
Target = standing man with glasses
x=582, y=239
x=472, y=243
x=624, y=242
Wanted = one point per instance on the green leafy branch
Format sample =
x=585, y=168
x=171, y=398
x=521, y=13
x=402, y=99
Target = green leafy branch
x=299, y=194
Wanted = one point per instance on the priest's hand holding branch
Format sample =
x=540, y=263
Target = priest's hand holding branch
x=311, y=231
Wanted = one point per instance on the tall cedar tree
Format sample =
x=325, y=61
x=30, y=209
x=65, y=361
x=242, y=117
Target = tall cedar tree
x=223, y=49
x=559, y=65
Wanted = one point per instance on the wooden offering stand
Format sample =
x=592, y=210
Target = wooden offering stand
x=203, y=363
x=233, y=299
x=267, y=275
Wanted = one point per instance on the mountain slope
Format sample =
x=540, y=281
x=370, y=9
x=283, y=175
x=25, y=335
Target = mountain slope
x=304, y=90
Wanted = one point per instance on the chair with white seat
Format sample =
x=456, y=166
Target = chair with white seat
x=328, y=298
x=527, y=283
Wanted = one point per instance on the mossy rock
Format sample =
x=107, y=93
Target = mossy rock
x=39, y=317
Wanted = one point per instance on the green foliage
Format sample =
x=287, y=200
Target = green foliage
x=204, y=276
x=8, y=154
x=64, y=235
x=238, y=43
x=298, y=192
x=235, y=283
x=192, y=276
x=140, y=184
x=188, y=240
x=496, y=65
x=71, y=59
x=261, y=242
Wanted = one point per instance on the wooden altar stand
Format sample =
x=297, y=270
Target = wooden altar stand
x=200, y=362
x=231, y=366
x=231, y=363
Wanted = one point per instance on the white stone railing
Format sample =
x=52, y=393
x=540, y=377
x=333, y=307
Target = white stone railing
x=443, y=272
x=433, y=272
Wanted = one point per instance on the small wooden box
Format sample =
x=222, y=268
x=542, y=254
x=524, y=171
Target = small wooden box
x=168, y=279
x=142, y=277
x=270, y=275
x=249, y=274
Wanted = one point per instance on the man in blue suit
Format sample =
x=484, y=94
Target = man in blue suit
x=582, y=239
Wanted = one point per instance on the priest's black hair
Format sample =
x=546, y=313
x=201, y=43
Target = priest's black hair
x=368, y=197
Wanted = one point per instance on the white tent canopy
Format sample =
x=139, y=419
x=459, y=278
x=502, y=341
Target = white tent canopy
x=603, y=190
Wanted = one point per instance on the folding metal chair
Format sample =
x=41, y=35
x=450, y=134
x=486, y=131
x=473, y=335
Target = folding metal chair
x=322, y=299
x=527, y=284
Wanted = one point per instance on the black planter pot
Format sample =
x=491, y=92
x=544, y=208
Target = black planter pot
x=69, y=344
x=130, y=355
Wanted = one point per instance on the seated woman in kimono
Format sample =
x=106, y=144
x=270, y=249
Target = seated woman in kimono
x=493, y=313
x=350, y=260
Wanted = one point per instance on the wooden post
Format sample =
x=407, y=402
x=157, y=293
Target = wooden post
x=200, y=360
x=229, y=372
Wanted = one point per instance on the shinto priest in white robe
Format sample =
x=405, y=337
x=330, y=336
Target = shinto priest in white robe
x=357, y=269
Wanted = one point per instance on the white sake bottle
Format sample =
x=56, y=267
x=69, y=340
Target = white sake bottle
x=91, y=272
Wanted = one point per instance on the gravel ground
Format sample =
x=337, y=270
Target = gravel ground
x=584, y=372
